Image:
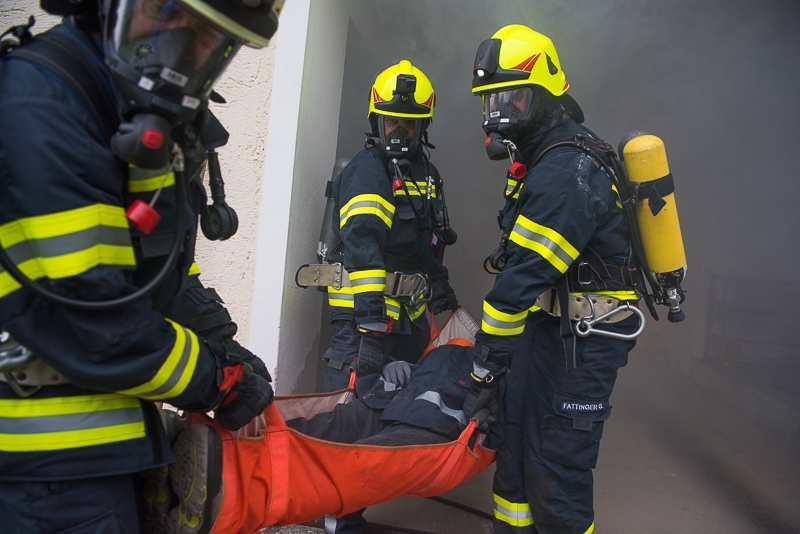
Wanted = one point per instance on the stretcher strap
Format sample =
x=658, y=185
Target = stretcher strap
x=276, y=439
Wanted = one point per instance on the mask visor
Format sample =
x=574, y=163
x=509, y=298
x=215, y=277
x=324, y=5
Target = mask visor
x=170, y=46
x=509, y=106
x=399, y=135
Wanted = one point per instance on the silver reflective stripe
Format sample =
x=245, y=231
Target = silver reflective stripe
x=435, y=398
x=497, y=323
x=521, y=515
x=46, y=424
x=392, y=307
x=176, y=373
x=330, y=524
x=367, y=204
x=388, y=386
x=368, y=280
x=546, y=241
x=65, y=244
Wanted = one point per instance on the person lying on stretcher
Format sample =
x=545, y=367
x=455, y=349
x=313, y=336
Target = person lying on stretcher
x=405, y=404
x=401, y=406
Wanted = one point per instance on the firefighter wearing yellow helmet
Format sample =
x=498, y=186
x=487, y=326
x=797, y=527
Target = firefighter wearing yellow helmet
x=563, y=263
x=389, y=216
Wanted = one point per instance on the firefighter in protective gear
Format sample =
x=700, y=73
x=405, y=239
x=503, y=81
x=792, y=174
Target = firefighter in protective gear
x=79, y=420
x=566, y=241
x=386, y=212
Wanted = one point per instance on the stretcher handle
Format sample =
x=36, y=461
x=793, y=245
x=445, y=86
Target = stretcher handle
x=466, y=434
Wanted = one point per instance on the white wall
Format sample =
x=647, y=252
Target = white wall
x=301, y=148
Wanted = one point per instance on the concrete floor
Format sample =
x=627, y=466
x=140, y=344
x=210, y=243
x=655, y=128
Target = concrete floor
x=674, y=459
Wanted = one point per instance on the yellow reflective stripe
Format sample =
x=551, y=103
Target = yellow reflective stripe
x=415, y=189
x=545, y=241
x=392, y=307
x=511, y=185
x=67, y=243
x=145, y=180
x=176, y=371
x=194, y=269
x=367, y=205
x=590, y=529
x=624, y=294
x=500, y=323
x=28, y=425
x=342, y=298
x=420, y=311
x=614, y=188
x=70, y=439
x=368, y=280
x=534, y=308
x=515, y=514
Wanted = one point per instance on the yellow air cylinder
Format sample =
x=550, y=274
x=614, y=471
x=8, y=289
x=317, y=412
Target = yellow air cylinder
x=645, y=160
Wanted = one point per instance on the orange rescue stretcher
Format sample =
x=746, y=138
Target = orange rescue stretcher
x=283, y=477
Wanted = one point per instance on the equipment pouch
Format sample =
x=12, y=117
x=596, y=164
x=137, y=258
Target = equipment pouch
x=571, y=437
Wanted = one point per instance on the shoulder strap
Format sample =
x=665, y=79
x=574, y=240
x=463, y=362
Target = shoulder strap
x=59, y=55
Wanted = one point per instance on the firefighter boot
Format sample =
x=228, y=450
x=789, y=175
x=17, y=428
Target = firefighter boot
x=196, y=478
x=157, y=494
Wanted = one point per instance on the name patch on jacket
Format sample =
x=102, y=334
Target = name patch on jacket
x=580, y=407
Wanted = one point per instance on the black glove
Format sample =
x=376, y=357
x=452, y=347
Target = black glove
x=484, y=389
x=370, y=354
x=398, y=373
x=247, y=393
x=442, y=298
x=231, y=345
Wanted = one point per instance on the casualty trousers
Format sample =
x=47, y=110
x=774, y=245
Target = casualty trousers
x=554, y=422
x=346, y=342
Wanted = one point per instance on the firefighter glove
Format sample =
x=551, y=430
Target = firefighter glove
x=398, y=373
x=370, y=354
x=248, y=393
x=231, y=345
x=442, y=298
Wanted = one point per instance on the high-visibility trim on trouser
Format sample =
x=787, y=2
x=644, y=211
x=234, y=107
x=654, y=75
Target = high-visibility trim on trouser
x=367, y=205
x=500, y=323
x=30, y=425
x=67, y=243
x=544, y=241
x=368, y=280
x=176, y=371
x=516, y=514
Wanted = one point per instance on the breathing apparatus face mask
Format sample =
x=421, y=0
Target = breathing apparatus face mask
x=399, y=136
x=164, y=60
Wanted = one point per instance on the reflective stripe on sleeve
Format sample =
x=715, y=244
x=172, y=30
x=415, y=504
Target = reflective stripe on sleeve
x=176, y=371
x=516, y=514
x=435, y=398
x=340, y=298
x=618, y=202
x=500, y=323
x=367, y=205
x=28, y=425
x=146, y=180
x=368, y=280
x=67, y=243
x=546, y=242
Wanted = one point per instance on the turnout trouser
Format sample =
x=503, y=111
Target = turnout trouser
x=347, y=340
x=562, y=415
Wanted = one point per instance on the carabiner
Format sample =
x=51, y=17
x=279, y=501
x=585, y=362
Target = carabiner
x=585, y=326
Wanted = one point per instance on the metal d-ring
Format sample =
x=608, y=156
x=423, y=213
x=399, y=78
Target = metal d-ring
x=585, y=326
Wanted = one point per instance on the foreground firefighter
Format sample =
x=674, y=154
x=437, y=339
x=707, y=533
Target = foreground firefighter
x=101, y=309
x=563, y=313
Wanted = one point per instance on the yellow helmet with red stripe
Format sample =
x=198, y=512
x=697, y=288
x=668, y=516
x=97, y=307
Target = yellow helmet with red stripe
x=517, y=55
x=403, y=91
